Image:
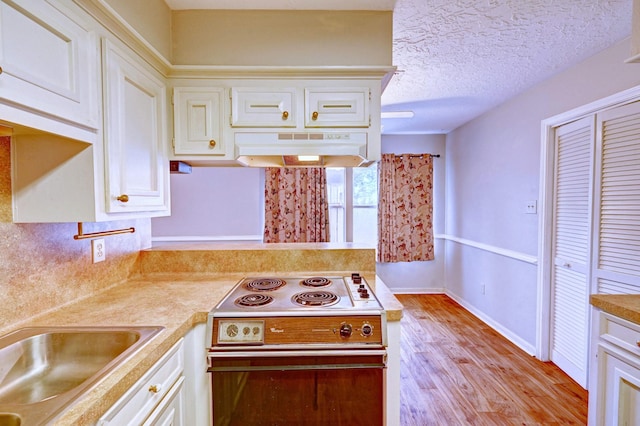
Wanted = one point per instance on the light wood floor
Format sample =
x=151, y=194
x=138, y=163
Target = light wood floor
x=457, y=371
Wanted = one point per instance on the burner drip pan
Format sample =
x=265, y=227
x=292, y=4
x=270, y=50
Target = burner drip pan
x=252, y=300
x=315, y=298
x=316, y=282
x=264, y=284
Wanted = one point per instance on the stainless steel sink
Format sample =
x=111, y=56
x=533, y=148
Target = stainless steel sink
x=43, y=370
x=9, y=419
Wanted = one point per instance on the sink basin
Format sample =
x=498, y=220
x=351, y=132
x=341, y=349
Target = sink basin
x=44, y=369
x=9, y=419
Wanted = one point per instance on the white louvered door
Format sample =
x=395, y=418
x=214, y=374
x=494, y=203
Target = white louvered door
x=616, y=265
x=572, y=247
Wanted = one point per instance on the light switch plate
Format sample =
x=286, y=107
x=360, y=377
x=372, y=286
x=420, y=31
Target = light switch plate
x=98, y=250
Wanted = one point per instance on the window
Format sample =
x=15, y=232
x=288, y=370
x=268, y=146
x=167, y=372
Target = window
x=353, y=204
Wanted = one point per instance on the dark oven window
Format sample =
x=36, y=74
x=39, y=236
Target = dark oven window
x=296, y=391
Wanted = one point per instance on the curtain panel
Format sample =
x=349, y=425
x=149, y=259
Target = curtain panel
x=405, y=208
x=296, y=205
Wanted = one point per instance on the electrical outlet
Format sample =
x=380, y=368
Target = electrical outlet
x=532, y=207
x=98, y=250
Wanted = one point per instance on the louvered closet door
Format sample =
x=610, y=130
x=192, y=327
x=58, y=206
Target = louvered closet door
x=571, y=248
x=617, y=238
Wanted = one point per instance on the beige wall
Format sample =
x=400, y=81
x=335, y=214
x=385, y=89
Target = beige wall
x=280, y=38
x=150, y=18
x=42, y=266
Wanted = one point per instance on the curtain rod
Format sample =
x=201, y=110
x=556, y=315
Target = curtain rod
x=421, y=155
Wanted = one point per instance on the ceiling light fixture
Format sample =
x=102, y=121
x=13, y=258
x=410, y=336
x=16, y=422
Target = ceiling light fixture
x=397, y=114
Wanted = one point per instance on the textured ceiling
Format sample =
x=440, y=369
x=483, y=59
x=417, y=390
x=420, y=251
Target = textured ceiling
x=459, y=58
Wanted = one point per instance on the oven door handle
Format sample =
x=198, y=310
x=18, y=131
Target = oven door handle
x=351, y=364
x=256, y=354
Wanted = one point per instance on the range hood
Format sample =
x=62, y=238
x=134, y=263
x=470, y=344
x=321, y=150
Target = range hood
x=307, y=149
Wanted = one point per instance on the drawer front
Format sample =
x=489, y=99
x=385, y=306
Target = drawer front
x=619, y=332
x=139, y=401
x=337, y=107
x=259, y=107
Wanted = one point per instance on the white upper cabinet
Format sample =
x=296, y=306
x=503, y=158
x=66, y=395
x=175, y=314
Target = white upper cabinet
x=263, y=107
x=49, y=66
x=321, y=106
x=198, y=115
x=337, y=107
x=135, y=139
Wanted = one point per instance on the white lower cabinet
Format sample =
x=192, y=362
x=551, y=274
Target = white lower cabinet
x=614, y=391
x=157, y=398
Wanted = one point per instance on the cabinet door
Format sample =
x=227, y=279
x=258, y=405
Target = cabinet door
x=260, y=107
x=621, y=388
x=135, y=137
x=197, y=120
x=170, y=411
x=48, y=62
x=337, y=107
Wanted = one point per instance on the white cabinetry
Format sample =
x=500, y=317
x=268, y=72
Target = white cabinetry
x=336, y=107
x=48, y=69
x=135, y=139
x=615, y=385
x=322, y=106
x=263, y=107
x=197, y=115
x=157, y=398
x=122, y=171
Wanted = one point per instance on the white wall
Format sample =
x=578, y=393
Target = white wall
x=414, y=277
x=492, y=171
x=214, y=203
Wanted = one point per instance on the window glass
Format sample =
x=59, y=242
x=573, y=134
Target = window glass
x=365, y=204
x=353, y=204
x=336, y=193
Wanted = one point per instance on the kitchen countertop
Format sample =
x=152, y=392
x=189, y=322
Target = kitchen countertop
x=625, y=306
x=175, y=301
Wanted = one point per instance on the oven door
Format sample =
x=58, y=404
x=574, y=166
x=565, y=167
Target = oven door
x=327, y=387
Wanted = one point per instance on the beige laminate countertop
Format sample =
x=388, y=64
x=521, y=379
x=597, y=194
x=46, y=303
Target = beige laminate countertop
x=173, y=301
x=625, y=306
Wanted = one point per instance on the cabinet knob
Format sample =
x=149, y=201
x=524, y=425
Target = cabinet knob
x=314, y=116
x=638, y=343
x=0, y=70
x=154, y=388
x=124, y=198
x=212, y=143
x=285, y=115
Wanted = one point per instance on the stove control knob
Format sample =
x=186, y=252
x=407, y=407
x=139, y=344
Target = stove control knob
x=246, y=331
x=345, y=331
x=367, y=330
x=232, y=330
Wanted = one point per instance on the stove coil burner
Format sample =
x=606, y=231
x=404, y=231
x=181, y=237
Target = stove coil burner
x=253, y=300
x=315, y=298
x=316, y=282
x=264, y=284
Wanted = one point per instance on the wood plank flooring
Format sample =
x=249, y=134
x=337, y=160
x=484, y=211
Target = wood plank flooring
x=456, y=370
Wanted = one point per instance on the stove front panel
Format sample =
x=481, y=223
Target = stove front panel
x=347, y=330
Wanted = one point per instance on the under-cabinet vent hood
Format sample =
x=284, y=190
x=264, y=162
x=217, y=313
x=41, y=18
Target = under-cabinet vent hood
x=308, y=149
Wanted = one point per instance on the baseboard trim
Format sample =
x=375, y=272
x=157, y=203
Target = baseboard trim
x=506, y=333
x=419, y=291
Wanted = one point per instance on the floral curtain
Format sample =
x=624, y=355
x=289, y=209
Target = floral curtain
x=405, y=208
x=296, y=205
